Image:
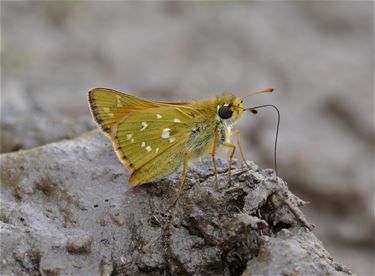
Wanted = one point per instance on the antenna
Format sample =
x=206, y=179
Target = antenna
x=267, y=90
x=255, y=111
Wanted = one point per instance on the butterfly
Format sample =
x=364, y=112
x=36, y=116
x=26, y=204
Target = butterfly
x=153, y=139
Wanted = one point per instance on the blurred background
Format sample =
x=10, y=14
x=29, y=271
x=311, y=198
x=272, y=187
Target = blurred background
x=319, y=57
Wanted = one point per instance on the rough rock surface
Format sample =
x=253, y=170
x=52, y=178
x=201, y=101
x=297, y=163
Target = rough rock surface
x=38, y=129
x=66, y=208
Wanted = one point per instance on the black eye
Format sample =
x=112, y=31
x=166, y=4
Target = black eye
x=225, y=112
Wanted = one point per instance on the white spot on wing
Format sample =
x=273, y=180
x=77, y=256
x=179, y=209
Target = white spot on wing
x=144, y=125
x=132, y=140
x=157, y=150
x=158, y=116
x=148, y=148
x=129, y=136
x=165, y=134
x=172, y=139
x=176, y=120
x=143, y=144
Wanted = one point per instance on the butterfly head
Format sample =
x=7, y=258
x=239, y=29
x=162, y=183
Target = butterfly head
x=229, y=107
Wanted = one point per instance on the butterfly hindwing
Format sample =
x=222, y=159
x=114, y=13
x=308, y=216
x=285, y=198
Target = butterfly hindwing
x=148, y=139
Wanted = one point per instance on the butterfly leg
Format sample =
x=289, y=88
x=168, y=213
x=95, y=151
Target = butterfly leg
x=237, y=133
x=183, y=178
x=213, y=154
x=233, y=147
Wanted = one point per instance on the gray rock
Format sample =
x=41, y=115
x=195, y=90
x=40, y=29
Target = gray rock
x=293, y=252
x=37, y=129
x=66, y=209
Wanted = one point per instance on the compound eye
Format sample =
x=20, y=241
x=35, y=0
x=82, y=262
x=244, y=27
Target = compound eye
x=225, y=112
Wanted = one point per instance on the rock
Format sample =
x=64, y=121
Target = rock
x=66, y=208
x=25, y=125
x=38, y=129
x=79, y=243
x=106, y=266
x=293, y=252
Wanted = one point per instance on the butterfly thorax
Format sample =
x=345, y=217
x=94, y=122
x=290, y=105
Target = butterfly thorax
x=216, y=115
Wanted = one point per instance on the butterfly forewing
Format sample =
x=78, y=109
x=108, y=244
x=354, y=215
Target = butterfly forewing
x=109, y=106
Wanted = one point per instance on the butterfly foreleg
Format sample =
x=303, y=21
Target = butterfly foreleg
x=233, y=147
x=183, y=178
x=213, y=154
x=237, y=134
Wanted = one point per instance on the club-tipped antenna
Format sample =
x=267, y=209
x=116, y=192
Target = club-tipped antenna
x=267, y=90
x=254, y=111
